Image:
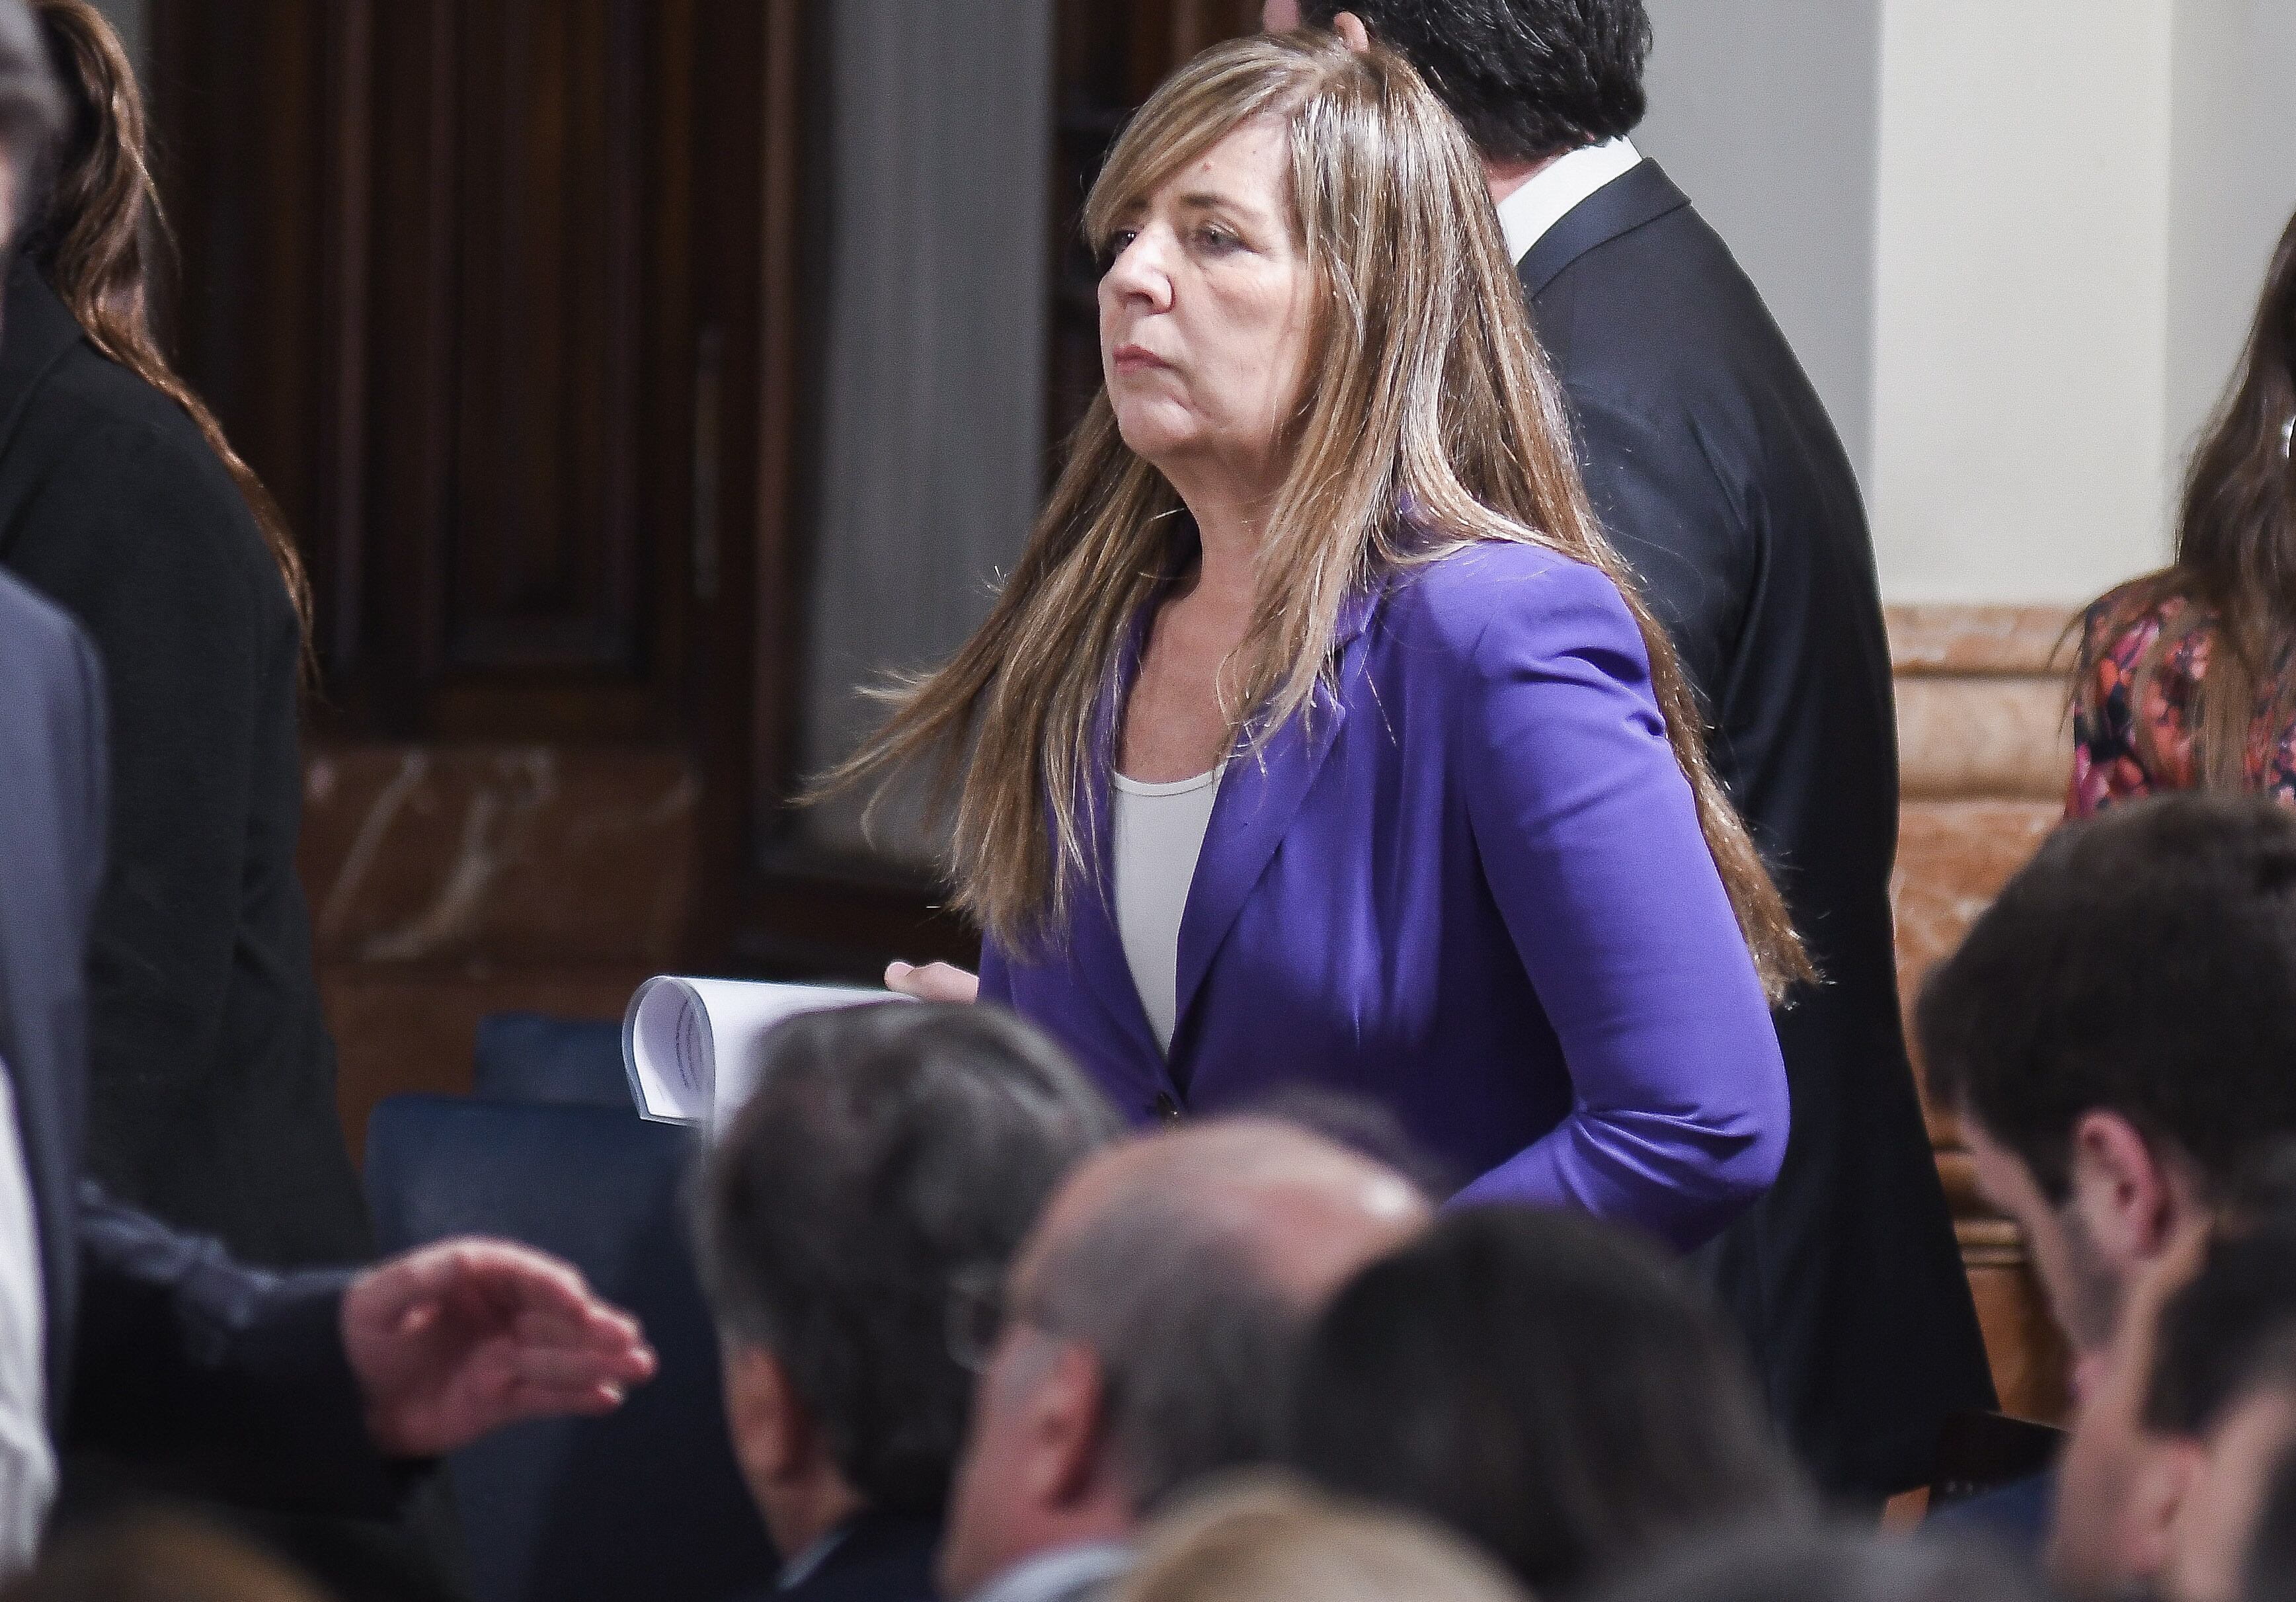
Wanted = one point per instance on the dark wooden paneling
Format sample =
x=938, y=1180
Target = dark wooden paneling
x=480, y=286
x=444, y=253
x=515, y=303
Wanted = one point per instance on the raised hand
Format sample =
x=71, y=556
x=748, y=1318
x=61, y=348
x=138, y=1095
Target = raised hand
x=454, y=1340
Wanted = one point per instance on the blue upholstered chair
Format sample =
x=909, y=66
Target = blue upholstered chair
x=646, y=1503
x=535, y=1057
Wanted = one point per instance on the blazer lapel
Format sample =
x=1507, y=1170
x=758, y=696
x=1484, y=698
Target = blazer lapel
x=1096, y=956
x=1095, y=952
x=1258, y=797
x=1641, y=194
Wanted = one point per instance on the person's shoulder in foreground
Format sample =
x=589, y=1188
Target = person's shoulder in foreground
x=1841, y=1563
x=878, y=1557
x=52, y=786
x=37, y=635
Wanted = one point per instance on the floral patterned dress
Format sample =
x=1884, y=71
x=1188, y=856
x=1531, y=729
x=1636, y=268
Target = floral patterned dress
x=2109, y=763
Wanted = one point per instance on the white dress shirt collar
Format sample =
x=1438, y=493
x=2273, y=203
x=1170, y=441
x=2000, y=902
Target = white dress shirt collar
x=1551, y=192
x=1062, y=1574
x=802, y=1567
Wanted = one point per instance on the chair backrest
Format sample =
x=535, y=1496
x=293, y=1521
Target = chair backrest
x=646, y=1503
x=536, y=1058
x=1979, y=1452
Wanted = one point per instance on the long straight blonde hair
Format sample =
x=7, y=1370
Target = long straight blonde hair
x=1426, y=391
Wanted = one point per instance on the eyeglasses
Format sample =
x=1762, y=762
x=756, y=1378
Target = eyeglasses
x=976, y=1315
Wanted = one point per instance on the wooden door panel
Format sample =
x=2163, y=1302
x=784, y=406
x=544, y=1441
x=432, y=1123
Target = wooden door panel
x=445, y=266
x=552, y=194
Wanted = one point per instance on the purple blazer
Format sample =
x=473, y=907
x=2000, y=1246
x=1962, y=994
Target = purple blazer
x=1470, y=887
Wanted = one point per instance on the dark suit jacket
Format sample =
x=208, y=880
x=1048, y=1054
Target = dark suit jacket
x=159, y=1345
x=212, y=1076
x=1714, y=467
x=884, y=1557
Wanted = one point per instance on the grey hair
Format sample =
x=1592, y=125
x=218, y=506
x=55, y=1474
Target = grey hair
x=1195, y=1342
x=888, y=1152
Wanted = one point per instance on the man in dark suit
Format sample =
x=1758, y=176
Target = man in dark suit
x=1716, y=472
x=856, y=1219
x=303, y=1390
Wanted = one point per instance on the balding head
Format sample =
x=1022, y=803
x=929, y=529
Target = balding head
x=1153, y=1318
x=1296, y=1213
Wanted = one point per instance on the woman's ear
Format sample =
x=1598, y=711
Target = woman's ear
x=1352, y=32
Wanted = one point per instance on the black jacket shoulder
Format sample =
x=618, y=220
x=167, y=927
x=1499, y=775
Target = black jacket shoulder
x=1635, y=293
x=102, y=475
x=882, y=1557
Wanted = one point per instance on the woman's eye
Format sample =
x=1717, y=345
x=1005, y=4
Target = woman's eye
x=1217, y=239
x=1120, y=241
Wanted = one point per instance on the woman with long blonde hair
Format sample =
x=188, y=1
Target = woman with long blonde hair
x=1318, y=735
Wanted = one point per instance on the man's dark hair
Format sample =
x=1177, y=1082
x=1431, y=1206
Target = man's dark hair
x=2230, y=1330
x=31, y=111
x=1833, y=1564
x=889, y=1154
x=1527, y=78
x=2144, y=964
x=1543, y=1385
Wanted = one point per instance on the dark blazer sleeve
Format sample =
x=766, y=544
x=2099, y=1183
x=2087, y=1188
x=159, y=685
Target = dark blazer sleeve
x=230, y=1378
x=152, y=556
x=180, y=1354
x=1673, y=517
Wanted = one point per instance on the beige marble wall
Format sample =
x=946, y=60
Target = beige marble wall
x=1985, y=752
x=447, y=883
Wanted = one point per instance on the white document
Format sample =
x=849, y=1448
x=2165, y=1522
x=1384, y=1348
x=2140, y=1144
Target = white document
x=691, y=1044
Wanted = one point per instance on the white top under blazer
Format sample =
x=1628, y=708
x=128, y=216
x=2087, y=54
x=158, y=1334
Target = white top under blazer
x=1159, y=832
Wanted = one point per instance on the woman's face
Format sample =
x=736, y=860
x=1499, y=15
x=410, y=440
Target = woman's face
x=1205, y=310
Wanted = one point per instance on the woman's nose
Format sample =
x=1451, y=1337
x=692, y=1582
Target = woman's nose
x=1139, y=272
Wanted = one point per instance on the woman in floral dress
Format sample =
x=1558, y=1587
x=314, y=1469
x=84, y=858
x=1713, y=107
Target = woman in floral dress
x=2188, y=676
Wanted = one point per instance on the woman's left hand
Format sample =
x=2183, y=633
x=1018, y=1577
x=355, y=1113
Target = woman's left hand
x=935, y=982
